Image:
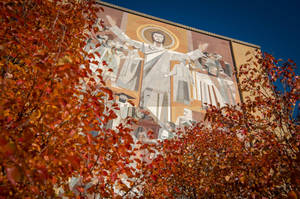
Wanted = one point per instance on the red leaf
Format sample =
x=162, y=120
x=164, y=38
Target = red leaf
x=97, y=53
x=153, y=177
x=99, y=70
x=91, y=56
x=113, y=177
x=97, y=45
x=54, y=180
x=3, y=141
x=112, y=115
x=89, y=137
x=80, y=189
x=95, y=62
x=19, y=82
x=104, y=173
x=13, y=175
x=108, y=91
x=34, y=189
x=104, y=63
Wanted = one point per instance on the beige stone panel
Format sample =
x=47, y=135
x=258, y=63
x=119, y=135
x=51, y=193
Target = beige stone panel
x=116, y=15
x=239, y=52
x=178, y=108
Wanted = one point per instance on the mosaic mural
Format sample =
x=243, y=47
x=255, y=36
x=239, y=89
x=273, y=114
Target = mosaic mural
x=170, y=74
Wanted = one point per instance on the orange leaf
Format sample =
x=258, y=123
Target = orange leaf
x=292, y=195
x=227, y=178
x=8, y=149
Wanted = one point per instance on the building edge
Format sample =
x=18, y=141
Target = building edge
x=177, y=24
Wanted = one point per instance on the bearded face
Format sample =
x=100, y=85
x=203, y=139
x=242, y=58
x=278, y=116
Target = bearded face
x=158, y=37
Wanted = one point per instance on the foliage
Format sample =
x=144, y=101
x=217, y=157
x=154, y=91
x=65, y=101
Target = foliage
x=245, y=151
x=50, y=103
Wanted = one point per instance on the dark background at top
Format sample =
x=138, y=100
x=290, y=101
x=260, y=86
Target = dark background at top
x=272, y=24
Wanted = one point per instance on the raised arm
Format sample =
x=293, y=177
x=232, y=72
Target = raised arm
x=193, y=55
x=121, y=35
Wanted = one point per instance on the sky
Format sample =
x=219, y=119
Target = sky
x=274, y=25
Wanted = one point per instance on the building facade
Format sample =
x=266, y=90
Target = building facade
x=163, y=74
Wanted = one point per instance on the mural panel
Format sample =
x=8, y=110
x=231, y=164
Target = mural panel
x=169, y=73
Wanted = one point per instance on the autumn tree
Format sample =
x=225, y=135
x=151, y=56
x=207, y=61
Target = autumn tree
x=245, y=151
x=50, y=103
x=54, y=138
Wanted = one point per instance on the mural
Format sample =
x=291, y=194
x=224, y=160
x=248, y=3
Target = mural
x=170, y=74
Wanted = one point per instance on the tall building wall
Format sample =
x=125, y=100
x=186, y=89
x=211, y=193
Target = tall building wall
x=240, y=57
x=171, y=73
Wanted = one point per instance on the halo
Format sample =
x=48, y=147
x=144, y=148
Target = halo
x=144, y=33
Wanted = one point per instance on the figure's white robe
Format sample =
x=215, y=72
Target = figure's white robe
x=156, y=67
